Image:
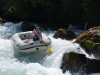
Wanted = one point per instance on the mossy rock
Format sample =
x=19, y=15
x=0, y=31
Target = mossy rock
x=98, y=46
x=90, y=40
x=84, y=35
x=88, y=44
x=96, y=38
x=60, y=33
x=63, y=34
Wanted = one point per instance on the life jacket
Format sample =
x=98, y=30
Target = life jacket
x=36, y=36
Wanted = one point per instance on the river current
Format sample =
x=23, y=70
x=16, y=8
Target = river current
x=13, y=62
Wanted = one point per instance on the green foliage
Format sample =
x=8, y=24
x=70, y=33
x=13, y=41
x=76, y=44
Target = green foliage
x=70, y=27
x=62, y=11
x=82, y=35
x=89, y=44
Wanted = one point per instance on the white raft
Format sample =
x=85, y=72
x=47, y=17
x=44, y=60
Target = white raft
x=21, y=42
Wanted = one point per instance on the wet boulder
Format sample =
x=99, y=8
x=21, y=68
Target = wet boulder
x=73, y=62
x=79, y=63
x=90, y=40
x=26, y=26
x=63, y=34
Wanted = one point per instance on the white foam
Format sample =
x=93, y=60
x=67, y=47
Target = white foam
x=13, y=62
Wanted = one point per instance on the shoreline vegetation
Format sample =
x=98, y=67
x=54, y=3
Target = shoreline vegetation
x=64, y=12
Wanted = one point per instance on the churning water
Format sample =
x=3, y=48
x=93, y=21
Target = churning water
x=13, y=62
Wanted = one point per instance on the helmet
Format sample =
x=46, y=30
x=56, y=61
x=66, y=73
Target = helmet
x=37, y=27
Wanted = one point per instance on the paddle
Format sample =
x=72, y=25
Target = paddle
x=48, y=49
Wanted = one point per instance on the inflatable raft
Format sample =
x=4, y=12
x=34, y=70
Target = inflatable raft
x=21, y=42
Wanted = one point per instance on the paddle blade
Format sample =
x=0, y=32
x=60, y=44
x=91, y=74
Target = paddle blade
x=49, y=50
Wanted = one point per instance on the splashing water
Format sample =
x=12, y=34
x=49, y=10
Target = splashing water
x=13, y=62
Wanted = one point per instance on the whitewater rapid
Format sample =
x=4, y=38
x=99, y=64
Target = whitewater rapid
x=13, y=62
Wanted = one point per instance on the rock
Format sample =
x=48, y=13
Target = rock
x=72, y=62
x=79, y=63
x=2, y=20
x=26, y=26
x=61, y=33
x=90, y=40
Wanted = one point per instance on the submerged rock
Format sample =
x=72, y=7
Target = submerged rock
x=90, y=40
x=63, y=34
x=79, y=63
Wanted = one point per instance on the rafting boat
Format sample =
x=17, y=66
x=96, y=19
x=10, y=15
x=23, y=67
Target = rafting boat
x=21, y=42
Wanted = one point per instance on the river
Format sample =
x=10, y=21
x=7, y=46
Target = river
x=13, y=62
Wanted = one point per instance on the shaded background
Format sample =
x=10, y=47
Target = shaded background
x=52, y=12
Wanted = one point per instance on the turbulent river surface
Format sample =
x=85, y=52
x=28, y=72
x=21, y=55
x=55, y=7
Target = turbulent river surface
x=13, y=62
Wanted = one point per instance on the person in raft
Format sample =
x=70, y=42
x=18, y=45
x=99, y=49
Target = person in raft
x=36, y=35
